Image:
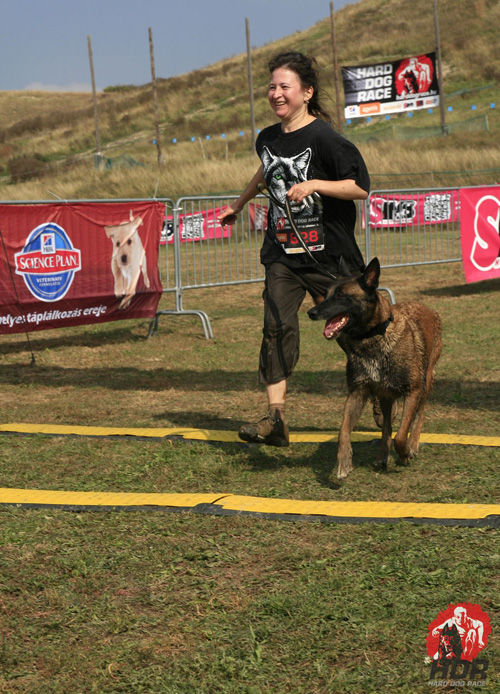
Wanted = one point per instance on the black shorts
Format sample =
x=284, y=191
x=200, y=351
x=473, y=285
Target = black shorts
x=283, y=295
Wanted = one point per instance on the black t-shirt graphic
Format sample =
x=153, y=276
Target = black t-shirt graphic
x=314, y=151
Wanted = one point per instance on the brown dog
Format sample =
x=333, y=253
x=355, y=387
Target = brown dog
x=391, y=354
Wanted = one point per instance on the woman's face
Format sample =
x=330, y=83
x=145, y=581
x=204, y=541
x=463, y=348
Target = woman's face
x=287, y=97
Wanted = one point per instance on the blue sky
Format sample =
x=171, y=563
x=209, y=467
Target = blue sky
x=43, y=43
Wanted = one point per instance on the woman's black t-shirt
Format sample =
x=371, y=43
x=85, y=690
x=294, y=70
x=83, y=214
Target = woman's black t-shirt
x=326, y=224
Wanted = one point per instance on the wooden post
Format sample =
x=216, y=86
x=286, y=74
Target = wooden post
x=250, y=87
x=440, y=72
x=155, y=97
x=98, y=157
x=201, y=147
x=340, y=120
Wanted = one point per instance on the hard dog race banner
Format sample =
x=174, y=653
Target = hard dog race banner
x=382, y=88
x=480, y=232
x=76, y=263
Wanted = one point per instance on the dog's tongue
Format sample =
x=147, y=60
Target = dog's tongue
x=335, y=325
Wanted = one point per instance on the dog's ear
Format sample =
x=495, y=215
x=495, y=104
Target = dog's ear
x=109, y=231
x=371, y=274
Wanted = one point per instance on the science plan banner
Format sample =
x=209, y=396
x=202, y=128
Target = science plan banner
x=198, y=226
x=396, y=210
x=68, y=264
x=480, y=232
x=390, y=87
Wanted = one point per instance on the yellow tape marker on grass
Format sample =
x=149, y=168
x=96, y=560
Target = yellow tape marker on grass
x=358, y=509
x=251, y=504
x=65, y=498
x=228, y=436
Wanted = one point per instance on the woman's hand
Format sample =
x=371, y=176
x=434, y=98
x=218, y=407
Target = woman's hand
x=228, y=216
x=302, y=190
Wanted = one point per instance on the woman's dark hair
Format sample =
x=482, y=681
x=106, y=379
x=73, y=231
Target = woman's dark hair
x=306, y=70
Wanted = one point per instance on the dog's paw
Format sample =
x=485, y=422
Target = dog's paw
x=343, y=471
x=412, y=452
x=344, y=464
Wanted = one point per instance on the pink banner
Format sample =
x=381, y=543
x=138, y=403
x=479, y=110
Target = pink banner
x=392, y=210
x=198, y=226
x=480, y=233
x=78, y=263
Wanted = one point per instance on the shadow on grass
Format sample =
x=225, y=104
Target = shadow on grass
x=471, y=394
x=156, y=380
x=205, y=420
x=484, y=287
x=90, y=338
x=321, y=459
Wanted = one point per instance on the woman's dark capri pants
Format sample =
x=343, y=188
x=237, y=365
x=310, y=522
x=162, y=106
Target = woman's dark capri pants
x=283, y=295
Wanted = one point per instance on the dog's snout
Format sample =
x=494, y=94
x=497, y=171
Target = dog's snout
x=124, y=258
x=313, y=313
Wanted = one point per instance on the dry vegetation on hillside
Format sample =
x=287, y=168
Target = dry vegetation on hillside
x=47, y=140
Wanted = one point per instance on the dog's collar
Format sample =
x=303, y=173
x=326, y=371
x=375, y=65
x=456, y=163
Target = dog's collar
x=378, y=329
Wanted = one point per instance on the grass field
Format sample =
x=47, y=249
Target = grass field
x=179, y=603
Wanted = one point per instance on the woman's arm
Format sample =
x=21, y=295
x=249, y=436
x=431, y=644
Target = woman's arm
x=229, y=214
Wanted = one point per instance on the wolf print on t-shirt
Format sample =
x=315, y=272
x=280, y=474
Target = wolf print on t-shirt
x=281, y=173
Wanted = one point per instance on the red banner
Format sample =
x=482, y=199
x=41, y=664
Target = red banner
x=480, y=233
x=198, y=226
x=258, y=217
x=78, y=263
x=393, y=210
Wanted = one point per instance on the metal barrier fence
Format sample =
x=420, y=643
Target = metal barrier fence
x=401, y=227
x=202, y=257
x=201, y=261
x=413, y=227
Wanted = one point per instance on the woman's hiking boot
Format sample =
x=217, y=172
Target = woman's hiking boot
x=271, y=430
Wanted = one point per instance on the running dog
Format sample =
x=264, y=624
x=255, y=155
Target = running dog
x=391, y=354
x=128, y=259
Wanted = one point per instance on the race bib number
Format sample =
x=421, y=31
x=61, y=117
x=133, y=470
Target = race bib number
x=311, y=232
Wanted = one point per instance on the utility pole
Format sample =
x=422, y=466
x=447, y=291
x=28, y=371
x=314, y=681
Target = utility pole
x=250, y=87
x=440, y=72
x=340, y=120
x=155, y=97
x=98, y=157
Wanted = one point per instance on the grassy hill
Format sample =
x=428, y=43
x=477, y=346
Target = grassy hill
x=47, y=140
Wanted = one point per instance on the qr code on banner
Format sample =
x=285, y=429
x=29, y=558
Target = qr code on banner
x=192, y=227
x=437, y=208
